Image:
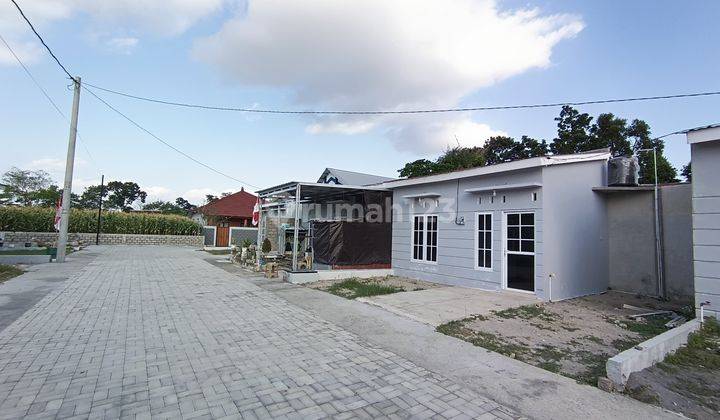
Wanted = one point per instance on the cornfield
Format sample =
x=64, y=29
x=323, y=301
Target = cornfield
x=39, y=219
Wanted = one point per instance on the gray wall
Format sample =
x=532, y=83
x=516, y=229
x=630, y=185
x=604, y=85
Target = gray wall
x=108, y=238
x=676, y=206
x=575, y=230
x=456, y=243
x=706, y=223
x=239, y=234
x=570, y=230
x=631, y=224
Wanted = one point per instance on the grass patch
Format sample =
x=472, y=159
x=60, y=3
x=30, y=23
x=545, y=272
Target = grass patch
x=622, y=344
x=595, y=367
x=8, y=271
x=702, y=350
x=354, y=288
x=527, y=312
x=644, y=394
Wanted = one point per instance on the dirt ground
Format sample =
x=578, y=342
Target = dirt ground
x=404, y=283
x=573, y=337
x=687, y=381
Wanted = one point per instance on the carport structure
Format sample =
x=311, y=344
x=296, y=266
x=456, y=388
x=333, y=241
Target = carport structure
x=351, y=218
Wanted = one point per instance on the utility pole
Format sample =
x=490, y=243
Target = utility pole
x=67, y=186
x=102, y=193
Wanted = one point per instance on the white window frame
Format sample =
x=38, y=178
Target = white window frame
x=506, y=251
x=425, y=233
x=477, y=242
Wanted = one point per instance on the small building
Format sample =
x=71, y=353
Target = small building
x=532, y=225
x=328, y=229
x=343, y=177
x=228, y=220
x=705, y=157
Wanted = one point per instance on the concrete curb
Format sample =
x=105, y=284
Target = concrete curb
x=25, y=259
x=648, y=353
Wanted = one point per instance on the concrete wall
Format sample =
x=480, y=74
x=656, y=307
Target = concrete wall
x=456, y=243
x=706, y=223
x=632, y=258
x=575, y=230
x=108, y=238
x=676, y=217
x=239, y=234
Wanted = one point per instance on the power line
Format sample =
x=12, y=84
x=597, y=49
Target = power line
x=17, y=6
x=361, y=112
x=396, y=112
x=151, y=134
x=48, y=97
x=64, y=69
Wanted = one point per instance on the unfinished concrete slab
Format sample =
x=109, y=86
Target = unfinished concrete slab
x=440, y=305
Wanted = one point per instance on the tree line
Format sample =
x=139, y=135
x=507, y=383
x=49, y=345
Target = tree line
x=576, y=133
x=36, y=188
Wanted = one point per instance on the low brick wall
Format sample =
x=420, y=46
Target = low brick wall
x=107, y=238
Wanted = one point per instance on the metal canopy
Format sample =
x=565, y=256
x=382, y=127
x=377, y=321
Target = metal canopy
x=504, y=187
x=309, y=193
x=422, y=195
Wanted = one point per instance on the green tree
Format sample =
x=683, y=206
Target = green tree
x=90, y=198
x=186, y=205
x=529, y=147
x=611, y=132
x=573, y=132
x=209, y=198
x=460, y=157
x=687, y=172
x=499, y=149
x=165, y=207
x=639, y=132
x=122, y=195
x=17, y=185
x=420, y=167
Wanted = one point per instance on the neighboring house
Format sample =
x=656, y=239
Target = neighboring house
x=341, y=177
x=705, y=157
x=228, y=220
x=532, y=225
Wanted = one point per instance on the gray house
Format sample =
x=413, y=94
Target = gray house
x=705, y=156
x=532, y=225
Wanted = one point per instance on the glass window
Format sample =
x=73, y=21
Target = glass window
x=425, y=238
x=484, y=232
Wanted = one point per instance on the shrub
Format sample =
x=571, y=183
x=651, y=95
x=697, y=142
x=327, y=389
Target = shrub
x=266, y=246
x=39, y=219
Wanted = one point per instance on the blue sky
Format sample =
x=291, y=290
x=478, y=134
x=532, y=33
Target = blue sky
x=315, y=54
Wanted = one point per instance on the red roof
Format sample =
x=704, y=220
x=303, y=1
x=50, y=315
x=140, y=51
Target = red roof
x=239, y=204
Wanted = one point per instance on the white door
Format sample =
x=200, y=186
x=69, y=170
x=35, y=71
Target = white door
x=519, y=251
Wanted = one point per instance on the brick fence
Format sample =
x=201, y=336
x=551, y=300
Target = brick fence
x=107, y=238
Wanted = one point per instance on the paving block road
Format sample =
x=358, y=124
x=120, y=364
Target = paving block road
x=157, y=332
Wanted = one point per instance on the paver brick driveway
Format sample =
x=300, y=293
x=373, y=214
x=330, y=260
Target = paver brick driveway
x=158, y=332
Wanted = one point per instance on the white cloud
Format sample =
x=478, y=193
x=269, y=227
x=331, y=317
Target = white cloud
x=54, y=165
x=122, y=45
x=197, y=195
x=165, y=18
x=427, y=136
x=158, y=193
x=373, y=54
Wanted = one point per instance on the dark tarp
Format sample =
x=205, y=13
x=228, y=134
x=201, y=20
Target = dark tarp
x=351, y=243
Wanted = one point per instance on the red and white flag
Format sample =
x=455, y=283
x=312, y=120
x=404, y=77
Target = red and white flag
x=58, y=214
x=256, y=213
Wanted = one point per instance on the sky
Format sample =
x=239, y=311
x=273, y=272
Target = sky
x=321, y=54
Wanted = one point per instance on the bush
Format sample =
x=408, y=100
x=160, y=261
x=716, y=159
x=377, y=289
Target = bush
x=39, y=219
x=266, y=246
